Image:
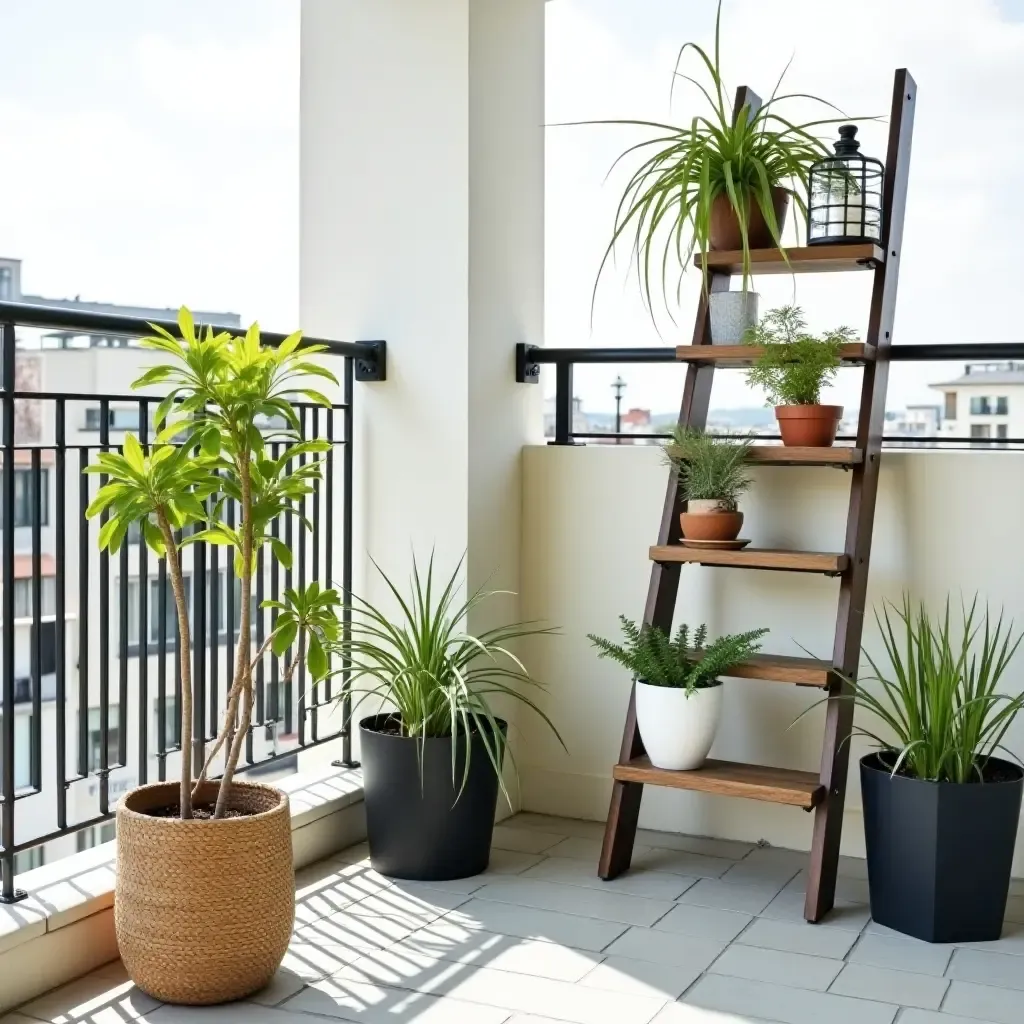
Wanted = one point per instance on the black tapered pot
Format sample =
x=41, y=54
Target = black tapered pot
x=426, y=826
x=939, y=853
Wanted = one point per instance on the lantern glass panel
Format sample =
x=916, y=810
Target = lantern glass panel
x=845, y=195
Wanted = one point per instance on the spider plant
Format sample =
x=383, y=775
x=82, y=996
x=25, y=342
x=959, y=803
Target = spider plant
x=938, y=698
x=440, y=679
x=736, y=157
x=710, y=467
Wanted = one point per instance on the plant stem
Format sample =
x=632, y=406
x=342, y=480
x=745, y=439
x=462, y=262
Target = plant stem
x=227, y=729
x=243, y=671
x=185, y=656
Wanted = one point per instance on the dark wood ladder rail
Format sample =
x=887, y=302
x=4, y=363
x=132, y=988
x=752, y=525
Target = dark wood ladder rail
x=825, y=791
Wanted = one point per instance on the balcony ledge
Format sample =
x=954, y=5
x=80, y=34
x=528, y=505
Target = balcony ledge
x=66, y=926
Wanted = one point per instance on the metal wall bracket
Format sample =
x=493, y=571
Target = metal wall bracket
x=527, y=371
x=373, y=367
x=16, y=897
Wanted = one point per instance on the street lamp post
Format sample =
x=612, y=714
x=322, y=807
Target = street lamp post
x=618, y=386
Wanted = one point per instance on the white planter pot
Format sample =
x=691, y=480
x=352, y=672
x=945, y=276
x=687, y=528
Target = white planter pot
x=677, y=730
x=732, y=313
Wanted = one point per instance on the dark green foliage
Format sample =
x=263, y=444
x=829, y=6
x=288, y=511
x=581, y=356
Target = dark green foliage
x=795, y=365
x=650, y=655
x=710, y=467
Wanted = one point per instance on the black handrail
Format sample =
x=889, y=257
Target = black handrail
x=529, y=359
x=58, y=318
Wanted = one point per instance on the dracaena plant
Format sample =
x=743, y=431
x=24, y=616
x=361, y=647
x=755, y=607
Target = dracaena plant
x=209, y=452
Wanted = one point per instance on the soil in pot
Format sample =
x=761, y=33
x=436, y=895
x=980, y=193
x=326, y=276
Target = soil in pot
x=724, y=230
x=940, y=853
x=426, y=825
x=203, y=909
x=704, y=520
x=808, y=426
x=677, y=729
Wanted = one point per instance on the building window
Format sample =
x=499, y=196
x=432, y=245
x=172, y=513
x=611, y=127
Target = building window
x=6, y=284
x=981, y=430
x=28, y=860
x=24, y=498
x=95, y=836
x=949, y=412
x=117, y=419
x=95, y=749
x=24, y=744
x=171, y=730
x=23, y=597
x=1002, y=406
x=981, y=405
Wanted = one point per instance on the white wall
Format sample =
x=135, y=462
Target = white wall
x=946, y=523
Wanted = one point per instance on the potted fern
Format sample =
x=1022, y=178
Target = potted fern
x=204, y=901
x=433, y=751
x=793, y=367
x=713, y=473
x=678, y=686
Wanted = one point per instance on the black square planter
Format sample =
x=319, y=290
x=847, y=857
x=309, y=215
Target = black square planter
x=939, y=853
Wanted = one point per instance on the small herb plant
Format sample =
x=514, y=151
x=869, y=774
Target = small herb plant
x=651, y=656
x=710, y=468
x=795, y=364
x=938, y=698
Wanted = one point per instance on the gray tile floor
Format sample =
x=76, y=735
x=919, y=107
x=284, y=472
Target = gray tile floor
x=702, y=931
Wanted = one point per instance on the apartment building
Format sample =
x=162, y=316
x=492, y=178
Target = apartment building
x=985, y=401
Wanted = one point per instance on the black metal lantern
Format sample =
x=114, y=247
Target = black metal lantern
x=845, y=200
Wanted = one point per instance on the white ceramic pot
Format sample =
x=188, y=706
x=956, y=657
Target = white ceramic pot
x=732, y=313
x=677, y=730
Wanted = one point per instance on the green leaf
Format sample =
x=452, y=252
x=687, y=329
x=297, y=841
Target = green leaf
x=133, y=453
x=290, y=344
x=154, y=538
x=281, y=552
x=186, y=324
x=210, y=441
x=284, y=637
x=107, y=532
x=316, y=658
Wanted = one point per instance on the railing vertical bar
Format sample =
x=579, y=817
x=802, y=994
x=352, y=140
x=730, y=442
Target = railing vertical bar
x=216, y=634
x=60, y=600
x=142, y=629
x=231, y=613
x=104, y=610
x=122, y=657
x=315, y=561
x=301, y=674
x=84, y=600
x=187, y=581
x=8, y=894
x=346, y=569
x=36, y=657
x=260, y=632
x=329, y=531
x=289, y=687
x=199, y=654
x=274, y=711
x=161, y=668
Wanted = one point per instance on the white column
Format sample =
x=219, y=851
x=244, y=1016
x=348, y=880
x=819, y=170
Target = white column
x=422, y=183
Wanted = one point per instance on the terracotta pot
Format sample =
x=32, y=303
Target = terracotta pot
x=808, y=426
x=203, y=910
x=724, y=231
x=704, y=521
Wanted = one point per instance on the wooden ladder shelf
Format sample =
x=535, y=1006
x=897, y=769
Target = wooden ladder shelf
x=823, y=792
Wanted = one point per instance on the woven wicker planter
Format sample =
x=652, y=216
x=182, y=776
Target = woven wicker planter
x=204, y=909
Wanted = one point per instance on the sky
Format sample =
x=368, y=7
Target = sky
x=150, y=156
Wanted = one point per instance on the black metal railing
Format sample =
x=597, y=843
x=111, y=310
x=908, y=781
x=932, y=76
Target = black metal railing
x=530, y=358
x=83, y=717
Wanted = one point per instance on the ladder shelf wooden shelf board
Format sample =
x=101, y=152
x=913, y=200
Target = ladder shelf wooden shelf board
x=728, y=778
x=731, y=356
x=781, y=455
x=811, y=259
x=823, y=791
x=784, y=668
x=754, y=558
